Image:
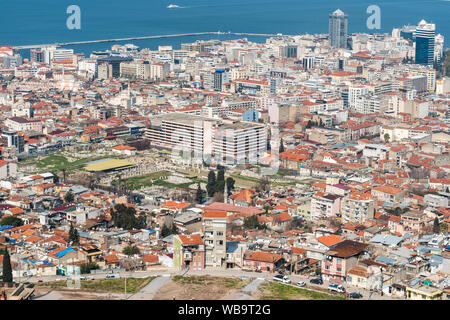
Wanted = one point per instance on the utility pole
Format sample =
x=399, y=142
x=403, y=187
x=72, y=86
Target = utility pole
x=291, y=262
x=125, y=287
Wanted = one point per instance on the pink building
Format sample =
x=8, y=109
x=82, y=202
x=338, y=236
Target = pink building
x=264, y=261
x=340, y=259
x=189, y=252
x=325, y=205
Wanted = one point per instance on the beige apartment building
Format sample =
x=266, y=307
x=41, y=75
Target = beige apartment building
x=214, y=224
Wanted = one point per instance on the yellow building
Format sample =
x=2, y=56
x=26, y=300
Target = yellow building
x=424, y=292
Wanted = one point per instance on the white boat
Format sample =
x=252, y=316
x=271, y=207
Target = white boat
x=172, y=6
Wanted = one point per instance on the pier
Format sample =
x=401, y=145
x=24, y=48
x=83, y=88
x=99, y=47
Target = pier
x=36, y=46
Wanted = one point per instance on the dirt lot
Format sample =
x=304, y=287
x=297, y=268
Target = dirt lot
x=53, y=294
x=201, y=288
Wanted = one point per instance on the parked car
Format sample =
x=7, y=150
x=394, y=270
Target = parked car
x=355, y=295
x=40, y=280
x=336, y=287
x=281, y=278
x=301, y=283
x=90, y=278
x=58, y=279
x=113, y=276
x=83, y=278
x=316, y=281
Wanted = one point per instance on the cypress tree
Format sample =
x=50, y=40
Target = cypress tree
x=7, y=270
x=220, y=185
x=211, y=186
x=436, y=228
x=281, y=146
x=199, y=195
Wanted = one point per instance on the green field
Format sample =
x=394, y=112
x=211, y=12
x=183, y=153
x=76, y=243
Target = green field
x=146, y=181
x=57, y=162
x=103, y=285
x=279, y=291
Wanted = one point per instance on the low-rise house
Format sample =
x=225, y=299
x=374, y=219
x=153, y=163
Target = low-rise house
x=390, y=194
x=423, y=290
x=112, y=261
x=264, y=261
x=368, y=278
x=413, y=221
x=124, y=150
x=235, y=254
x=150, y=260
x=340, y=259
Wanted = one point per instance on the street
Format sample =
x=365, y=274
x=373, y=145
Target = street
x=164, y=276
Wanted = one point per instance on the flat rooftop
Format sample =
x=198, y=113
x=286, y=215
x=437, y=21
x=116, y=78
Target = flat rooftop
x=181, y=118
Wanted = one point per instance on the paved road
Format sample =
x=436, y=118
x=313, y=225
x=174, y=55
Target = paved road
x=249, y=289
x=150, y=290
x=227, y=273
x=50, y=296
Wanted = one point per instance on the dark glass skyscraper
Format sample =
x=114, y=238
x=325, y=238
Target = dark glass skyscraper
x=338, y=29
x=425, y=34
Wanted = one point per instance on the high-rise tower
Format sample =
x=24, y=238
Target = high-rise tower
x=338, y=29
x=425, y=34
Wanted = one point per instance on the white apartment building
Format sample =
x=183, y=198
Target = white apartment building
x=135, y=70
x=159, y=71
x=355, y=92
x=239, y=142
x=357, y=208
x=182, y=133
x=22, y=124
x=53, y=53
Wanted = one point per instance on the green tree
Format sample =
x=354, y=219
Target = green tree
x=7, y=270
x=74, y=237
x=263, y=184
x=230, y=184
x=199, y=194
x=211, y=185
x=55, y=178
x=131, y=250
x=87, y=267
x=220, y=184
x=281, y=146
x=167, y=231
x=252, y=223
x=436, y=227
x=11, y=221
x=125, y=217
x=174, y=229
x=69, y=197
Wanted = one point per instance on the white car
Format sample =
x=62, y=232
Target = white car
x=281, y=278
x=301, y=283
x=336, y=287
